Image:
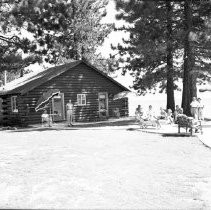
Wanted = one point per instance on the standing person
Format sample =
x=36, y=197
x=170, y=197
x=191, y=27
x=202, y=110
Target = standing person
x=200, y=109
x=194, y=108
x=69, y=108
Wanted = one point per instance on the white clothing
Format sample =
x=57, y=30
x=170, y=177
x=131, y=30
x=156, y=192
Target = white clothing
x=194, y=104
x=69, y=108
x=150, y=115
x=45, y=117
x=200, y=111
x=200, y=105
x=194, y=109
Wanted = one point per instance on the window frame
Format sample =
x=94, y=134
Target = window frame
x=14, y=107
x=81, y=99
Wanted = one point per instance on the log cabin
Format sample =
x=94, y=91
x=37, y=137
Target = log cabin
x=90, y=90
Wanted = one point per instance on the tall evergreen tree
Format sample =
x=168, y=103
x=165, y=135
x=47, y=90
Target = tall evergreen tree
x=160, y=33
x=188, y=83
x=150, y=46
x=11, y=44
x=69, y=29
x=197, y=48
x=169, y=57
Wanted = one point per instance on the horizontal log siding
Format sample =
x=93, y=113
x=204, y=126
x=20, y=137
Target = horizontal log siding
x=78, y=80
x=1, y=112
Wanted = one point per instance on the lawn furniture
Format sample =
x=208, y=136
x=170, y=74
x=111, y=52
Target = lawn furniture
x=144, y=123
x=189, y=124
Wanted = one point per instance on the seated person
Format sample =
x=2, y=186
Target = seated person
x=46, y=119
x=150, y=116
x=116, y=113
x=163, y=114
x=169, y=117
x=177, y=111
x=138, y=113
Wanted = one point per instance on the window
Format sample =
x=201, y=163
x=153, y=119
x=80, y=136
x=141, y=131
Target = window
x=14, y=104
x=81, y=99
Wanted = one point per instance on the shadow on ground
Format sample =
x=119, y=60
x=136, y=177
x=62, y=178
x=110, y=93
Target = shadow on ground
x=207, y=119
x=177, y=135
x=75, y=127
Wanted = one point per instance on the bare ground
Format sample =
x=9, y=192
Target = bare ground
x=106, y=167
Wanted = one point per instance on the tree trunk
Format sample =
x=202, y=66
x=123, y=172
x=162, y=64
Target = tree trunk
x=5, y=77
x=170, y=68
x=189, y=80
x=76, y=55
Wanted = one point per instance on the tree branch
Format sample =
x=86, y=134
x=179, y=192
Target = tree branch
x=13, y=40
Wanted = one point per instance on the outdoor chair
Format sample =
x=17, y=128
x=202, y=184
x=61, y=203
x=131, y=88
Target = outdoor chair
x=144, y=123
x=189, y=124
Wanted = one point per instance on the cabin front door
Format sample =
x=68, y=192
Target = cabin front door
x=58, y=107
x=103, y=104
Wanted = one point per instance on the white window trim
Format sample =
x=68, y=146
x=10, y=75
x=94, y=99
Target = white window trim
x=80, y=100
x=14, y=104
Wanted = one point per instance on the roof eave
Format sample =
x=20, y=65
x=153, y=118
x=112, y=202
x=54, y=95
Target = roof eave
x=34, y=83
x=102, y=73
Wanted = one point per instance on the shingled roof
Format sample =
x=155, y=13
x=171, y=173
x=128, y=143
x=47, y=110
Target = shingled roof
x=31, y=81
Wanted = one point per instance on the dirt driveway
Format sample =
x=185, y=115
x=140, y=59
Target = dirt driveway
x=103, y=168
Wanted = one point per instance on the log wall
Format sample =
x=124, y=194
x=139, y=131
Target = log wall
x=81, y=79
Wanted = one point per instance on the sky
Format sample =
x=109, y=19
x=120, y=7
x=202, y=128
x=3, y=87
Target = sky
x=114, y=38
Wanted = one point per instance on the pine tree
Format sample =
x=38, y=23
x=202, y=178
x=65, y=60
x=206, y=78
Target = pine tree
x=150, y=49
x=160, y=33
x=11, y=43
x=169, y=57
x=197, y=48
x=188, y=83
x=69, y=29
